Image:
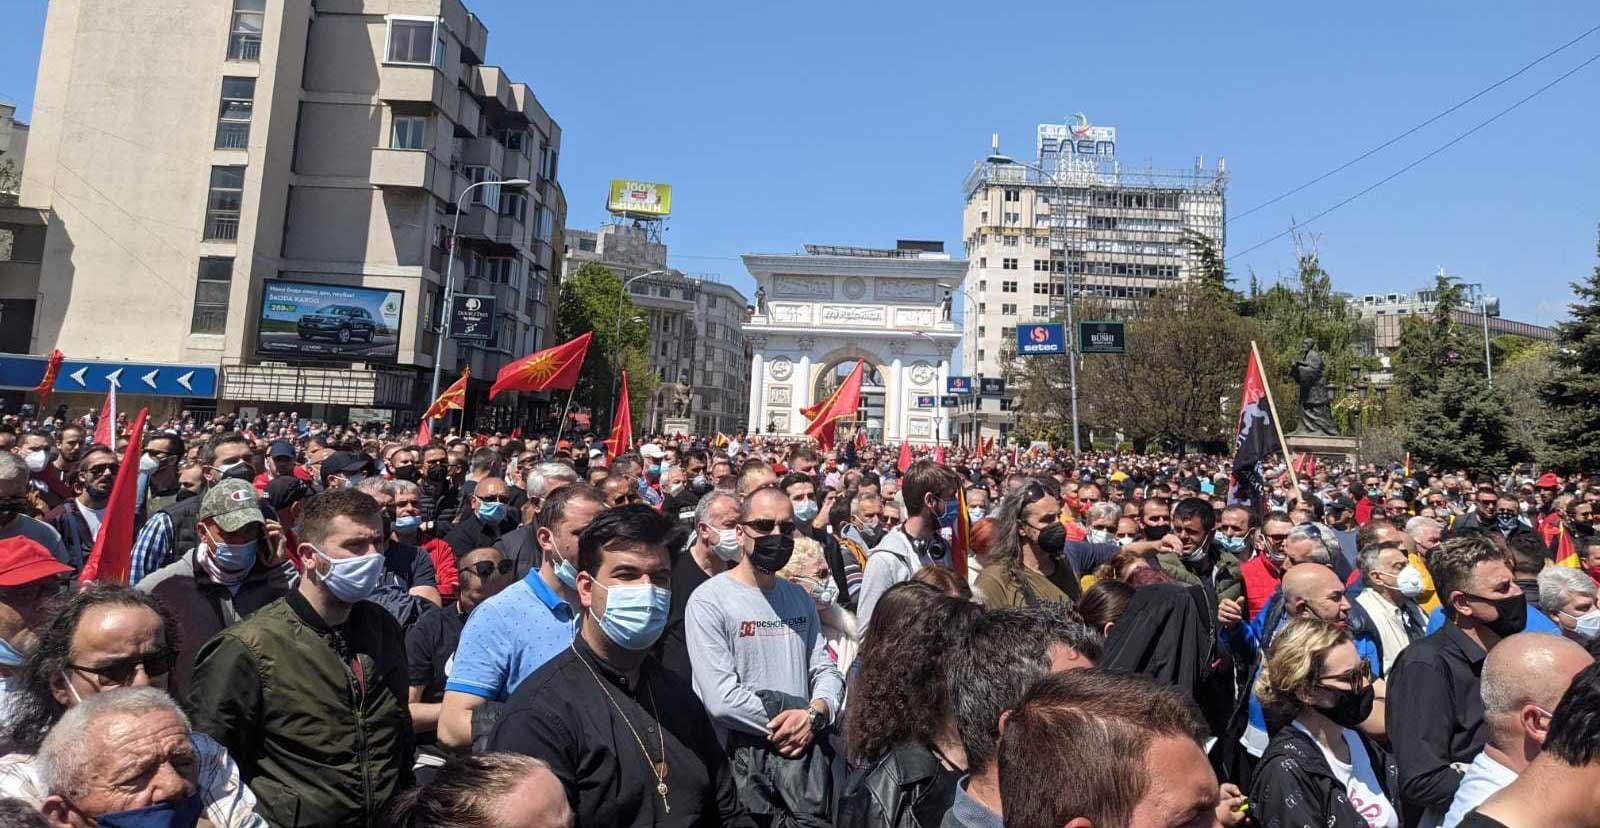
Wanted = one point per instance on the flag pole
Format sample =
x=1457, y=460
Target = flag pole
x=562, y=428
x=1283, y=445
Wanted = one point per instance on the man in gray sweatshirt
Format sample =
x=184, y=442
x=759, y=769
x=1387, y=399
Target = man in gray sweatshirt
x=930, y=493
x=762, y=668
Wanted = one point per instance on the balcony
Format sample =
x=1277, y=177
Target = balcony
x=485, y=152
x=222, y=225
x=413, y=84
x=479, y=222
x=410, y=168
x=245, y=46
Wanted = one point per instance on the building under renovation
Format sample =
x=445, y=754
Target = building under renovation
x=1073, y=221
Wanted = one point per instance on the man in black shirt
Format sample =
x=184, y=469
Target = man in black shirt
x=431, y=643
x=629, y=740
x=1435, y=711
x=713, y=548
x=490, y=517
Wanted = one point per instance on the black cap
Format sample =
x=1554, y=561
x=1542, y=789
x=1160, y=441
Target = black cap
x=1341, y=504
x=285, y=491
x=281, y=448
x=346, y=463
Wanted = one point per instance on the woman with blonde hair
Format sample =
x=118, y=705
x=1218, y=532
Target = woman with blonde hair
x=1319, y=769
x=808, y=569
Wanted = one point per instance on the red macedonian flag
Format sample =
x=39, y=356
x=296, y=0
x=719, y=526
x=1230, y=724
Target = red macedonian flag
x=824, y=416
x=454, y=397
x=552, y=368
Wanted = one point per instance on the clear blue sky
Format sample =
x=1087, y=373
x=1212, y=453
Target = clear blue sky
x=781, y=124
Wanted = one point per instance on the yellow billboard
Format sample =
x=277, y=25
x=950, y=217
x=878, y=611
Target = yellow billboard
x=639, y=198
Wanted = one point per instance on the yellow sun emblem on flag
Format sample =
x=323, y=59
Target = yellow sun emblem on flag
x=541, y=369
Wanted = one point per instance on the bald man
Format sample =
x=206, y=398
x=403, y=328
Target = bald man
x=1311, y=590
x=1523, y=680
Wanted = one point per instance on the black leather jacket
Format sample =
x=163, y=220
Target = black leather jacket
x=1294, y=786
x=907, y=787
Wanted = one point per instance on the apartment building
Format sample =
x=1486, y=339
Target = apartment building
x=266, y=189
x=1479, y=310
x=696, y=325
x=1075, y=214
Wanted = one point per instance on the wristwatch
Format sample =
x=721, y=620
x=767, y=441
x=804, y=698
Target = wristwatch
x=818, y=720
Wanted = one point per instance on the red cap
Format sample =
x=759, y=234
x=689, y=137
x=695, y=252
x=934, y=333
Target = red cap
x=1548, y=480
x=23, y=561
x=564, y=444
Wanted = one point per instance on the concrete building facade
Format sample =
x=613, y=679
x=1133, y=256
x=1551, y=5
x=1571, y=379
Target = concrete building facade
x=695, y=322
x=1118, y=232
x=13, y=149
x=193, y=153
x=1388, y=312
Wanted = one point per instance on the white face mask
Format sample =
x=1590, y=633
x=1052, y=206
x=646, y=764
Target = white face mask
x=1587, y=625
x=36, y=460
x=1409, y=582
x=728, y=547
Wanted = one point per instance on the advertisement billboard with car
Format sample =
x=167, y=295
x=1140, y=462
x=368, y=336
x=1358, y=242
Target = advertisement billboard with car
x=316, y=321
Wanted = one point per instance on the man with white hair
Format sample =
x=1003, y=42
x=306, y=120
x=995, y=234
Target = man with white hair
x=1425, y=532
x=118, y=752
x=1390, y=598
x=1568, y=596
x=1523, y=680
x=520, y=545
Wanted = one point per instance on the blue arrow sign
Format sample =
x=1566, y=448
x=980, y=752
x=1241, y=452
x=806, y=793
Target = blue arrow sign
x=93, y=376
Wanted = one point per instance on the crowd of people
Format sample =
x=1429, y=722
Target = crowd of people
x=334, y=626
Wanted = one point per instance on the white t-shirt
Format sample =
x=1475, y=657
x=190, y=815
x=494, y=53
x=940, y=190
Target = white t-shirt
x=1360, y=782
x=93, y=517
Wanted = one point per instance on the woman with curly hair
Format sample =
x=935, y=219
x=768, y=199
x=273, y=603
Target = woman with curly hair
x=1319, y=769
x=899, y=722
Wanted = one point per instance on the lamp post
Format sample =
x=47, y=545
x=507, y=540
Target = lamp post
x=616, y=337
x=449, y=281
x=971, y=306
x=999, y=160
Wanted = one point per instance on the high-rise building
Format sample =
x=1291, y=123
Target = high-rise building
x=13, y=146
x=1479, y=311
x=696, y=325
x=1074, y=215
x=266, y=189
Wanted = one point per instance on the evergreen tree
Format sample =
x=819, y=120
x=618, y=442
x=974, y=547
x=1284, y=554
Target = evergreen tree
x=1572, y=393
x=1462, y=424
x=1431, y=345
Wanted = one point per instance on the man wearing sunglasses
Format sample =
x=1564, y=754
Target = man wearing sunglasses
x=431, y=647
x=78, y=520
x=491, y=515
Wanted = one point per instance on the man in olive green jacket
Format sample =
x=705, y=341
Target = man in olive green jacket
x=309, y=694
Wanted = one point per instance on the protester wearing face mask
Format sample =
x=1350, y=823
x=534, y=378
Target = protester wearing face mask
x=1265, y=568
x=761, y=664
x=1319, y=769
x=490, y=518
x=713, y=549
x=1201, y=560
x=1390, y=599
x=16, y=518
x=866, y=519
x=321, y=672
x=170, y=532
x=29, y=580
x=1567, y=596
x=808, y=569
x=158, y=472
x=812, y=522
x=629, y=739
x=511, y=635
x=235, y=571
x=1102, y=519
x=930, y=490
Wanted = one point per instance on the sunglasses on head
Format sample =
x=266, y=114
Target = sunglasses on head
x=766, y=525
x=121, y=672
x=483, y=569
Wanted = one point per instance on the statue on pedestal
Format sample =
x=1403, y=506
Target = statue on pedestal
x=1316, y=399
x=944, y=307
x=682, y=396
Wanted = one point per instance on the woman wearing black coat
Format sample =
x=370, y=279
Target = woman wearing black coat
x=1319, y=771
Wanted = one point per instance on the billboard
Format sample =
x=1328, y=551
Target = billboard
x=639, y=198
x=958, y=385
x=950, y=402
x=991, y=387
x=471, y=317
x=1041, y=340
x=1078, y=138
x=1102, y=338
x=924, y=400
x=304, y=319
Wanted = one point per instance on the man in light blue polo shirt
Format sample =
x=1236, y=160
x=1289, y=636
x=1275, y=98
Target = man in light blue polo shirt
x=514, y=633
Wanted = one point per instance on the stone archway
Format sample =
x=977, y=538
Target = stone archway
x=826, y=376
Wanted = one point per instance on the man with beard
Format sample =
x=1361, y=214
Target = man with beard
x=78, y=520
x=1202, y=561
x=930, y=498
x=158, y=465
x=802, y=491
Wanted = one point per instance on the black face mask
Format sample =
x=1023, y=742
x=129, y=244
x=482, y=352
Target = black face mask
x=772, y=552
x=1052, y=539
x=872, y=536
x=184, y=494
x=407, y=473
x=1350, y=707
x=1155, y=533
x=242, y=471
x=437, y=474
x=1513, y=615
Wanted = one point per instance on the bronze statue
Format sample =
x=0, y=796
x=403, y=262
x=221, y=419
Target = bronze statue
x=682, y=396
x=1316, y=399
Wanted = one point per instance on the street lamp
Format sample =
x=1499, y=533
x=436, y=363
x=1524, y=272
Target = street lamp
x=999, y=160
x=449, y=282
x=970, y=307
x=616, y=338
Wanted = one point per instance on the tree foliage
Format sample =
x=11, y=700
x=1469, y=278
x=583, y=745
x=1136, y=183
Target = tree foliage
x=1572, y=392
x=1462, y=424
x=589, y=302
x=1431, y=345
x=1520, y=379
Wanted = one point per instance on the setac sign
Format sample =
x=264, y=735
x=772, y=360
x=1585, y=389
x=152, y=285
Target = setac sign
x=991, y=387
x=924, y=400
x=472, y=317
x=1102, y=337
x=1044, y=339
x=958, y=385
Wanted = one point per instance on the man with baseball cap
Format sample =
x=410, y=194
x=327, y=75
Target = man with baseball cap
x=344, y=469
x=281, y=463
x=29, y=577
x=237, y=569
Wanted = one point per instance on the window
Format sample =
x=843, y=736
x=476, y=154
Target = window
x=983, y=285
x=1008, y=333
x=488, y=196
x=1008, y=287
x=515, y=205
x=1013, y=218
x=244, y=38
x=1041, y=288
x=211, y=296
x=499, y=270
x=1008, y=241
x=1041, y=310
x=1008, y=310
x=233, y=118
x=1008, y=264
x=1040, y=265
x=983, y=217
x=981, y=330
x=980, y=354
x=414, y=41
x=983, y=261
x=1013, y=194
x=222, y=205
x=409, y=132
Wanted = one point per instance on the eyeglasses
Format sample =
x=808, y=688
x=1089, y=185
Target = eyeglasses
x=28, y=593
x=104, y=468
x=494, y=498
x=1357, y=677
x=764, y=526
x=121, y=672
x=483, y=569
x=159, y=454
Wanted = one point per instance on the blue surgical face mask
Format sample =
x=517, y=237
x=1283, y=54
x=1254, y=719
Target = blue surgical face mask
x=408, y=524
x=635, y=614
x=805, y=510
x=491, y=512
x=353, y=579
x=566, y=573
x=183, y=813
x=1229, y=543
x=233, y=557
x=9, y=657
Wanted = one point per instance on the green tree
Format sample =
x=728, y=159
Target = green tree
x=589, y=302
x=1520, y=379
x=1572, y=393
x=1431, y=345
x=1211, y=269
x=1462, y=424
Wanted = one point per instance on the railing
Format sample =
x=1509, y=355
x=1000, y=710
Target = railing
x=233, y=134
x=222, y=225
x=242, y=46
